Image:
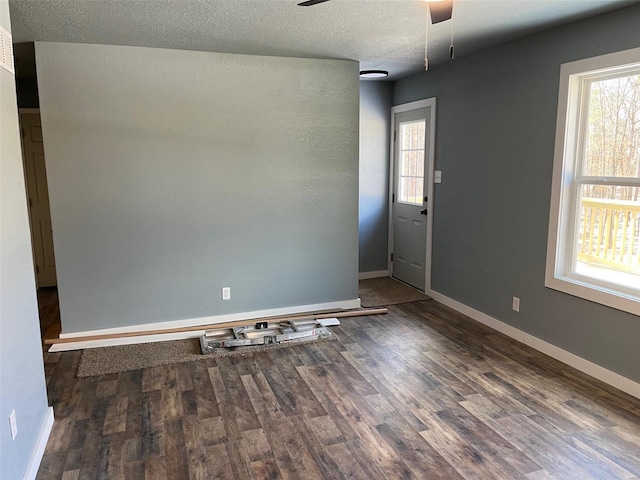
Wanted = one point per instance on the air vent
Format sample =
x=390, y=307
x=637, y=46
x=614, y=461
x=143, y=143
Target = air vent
x=6, y=53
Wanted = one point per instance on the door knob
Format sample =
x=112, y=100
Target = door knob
x=423, y=211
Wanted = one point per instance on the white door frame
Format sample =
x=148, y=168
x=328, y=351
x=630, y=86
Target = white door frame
x=26, y=187
x=429, y=103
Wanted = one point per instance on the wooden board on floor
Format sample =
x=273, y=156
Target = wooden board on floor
x=283, y=318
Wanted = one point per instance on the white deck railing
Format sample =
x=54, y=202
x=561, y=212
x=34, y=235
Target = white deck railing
x=610, y=234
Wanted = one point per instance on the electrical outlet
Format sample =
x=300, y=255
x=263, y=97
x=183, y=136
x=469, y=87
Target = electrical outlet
x=516, y=304
x=226, y=293
x=13, y=423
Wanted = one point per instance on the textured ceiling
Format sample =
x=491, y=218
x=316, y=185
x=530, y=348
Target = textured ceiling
x=384, y=34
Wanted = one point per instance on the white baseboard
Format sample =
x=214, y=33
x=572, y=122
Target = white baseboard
x=368, y=275
x=38, y=451
x=193, y=322
x=607, y=376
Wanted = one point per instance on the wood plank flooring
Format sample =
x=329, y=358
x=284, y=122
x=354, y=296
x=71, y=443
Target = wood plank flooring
x=49, y=308
x=422, y=392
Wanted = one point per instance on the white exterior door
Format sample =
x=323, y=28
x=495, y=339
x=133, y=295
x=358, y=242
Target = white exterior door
x=412, y=166
x=38, y=199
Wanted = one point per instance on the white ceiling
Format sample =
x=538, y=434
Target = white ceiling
x=380, y=34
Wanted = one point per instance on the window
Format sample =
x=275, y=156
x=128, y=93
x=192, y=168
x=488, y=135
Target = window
x=594, y=229
x=411, y=175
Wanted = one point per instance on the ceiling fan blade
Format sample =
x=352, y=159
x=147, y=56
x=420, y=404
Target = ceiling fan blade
x=309, y=3
x=440, y=11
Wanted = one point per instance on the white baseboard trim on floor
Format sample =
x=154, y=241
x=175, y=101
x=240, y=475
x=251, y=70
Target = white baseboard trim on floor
x=194, y=322
x=41, y=444
x=111, y=342
x=368, y=275
x=607, y=376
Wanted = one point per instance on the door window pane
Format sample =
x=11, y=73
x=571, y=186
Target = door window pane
x=411, y=159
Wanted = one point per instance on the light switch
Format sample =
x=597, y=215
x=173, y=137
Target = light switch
x=437, y=178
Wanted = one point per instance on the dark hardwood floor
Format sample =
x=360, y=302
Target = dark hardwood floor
x=49, y=310
x=422, y=392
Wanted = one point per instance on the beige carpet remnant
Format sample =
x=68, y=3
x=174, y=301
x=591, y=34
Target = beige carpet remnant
x=380, y=292
x=124, y=358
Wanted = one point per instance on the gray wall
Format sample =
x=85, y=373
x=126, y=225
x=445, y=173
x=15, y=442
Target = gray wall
x=173, y=174
x=495, y=138
x=22, y=385
x=375, y=114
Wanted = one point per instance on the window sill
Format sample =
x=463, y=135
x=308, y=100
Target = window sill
x=595, y=293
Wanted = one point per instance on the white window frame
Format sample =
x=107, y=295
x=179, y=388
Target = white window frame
x=565, y=186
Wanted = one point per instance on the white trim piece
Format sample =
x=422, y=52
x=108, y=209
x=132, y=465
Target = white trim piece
x=368, y=275
x=607, y=376
x=592, y=292
x=392, y=181
x=38, y=451
x=111, y=342
x=429, y=103
x=231, y=317
x=28, y=110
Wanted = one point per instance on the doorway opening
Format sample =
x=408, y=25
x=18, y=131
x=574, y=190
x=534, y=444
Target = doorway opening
x=37, y=190
x=40, y=222
x=411, y=189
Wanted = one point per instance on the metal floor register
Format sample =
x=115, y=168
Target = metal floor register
x=267, y=333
